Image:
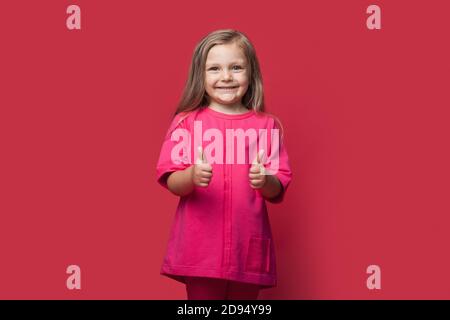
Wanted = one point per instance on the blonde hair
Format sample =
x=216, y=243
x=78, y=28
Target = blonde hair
x=194, y=95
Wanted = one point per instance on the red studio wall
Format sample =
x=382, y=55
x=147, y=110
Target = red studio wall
x=83, y=114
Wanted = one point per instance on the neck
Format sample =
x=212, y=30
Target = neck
x=231, y=109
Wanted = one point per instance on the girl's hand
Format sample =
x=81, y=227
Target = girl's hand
x=202, y=173
x=256, y=173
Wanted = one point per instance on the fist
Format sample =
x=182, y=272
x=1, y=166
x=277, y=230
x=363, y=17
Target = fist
x=202, y=172
x=257, y=173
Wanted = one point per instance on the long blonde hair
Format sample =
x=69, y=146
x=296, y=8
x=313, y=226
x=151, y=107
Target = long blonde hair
x=194, y=95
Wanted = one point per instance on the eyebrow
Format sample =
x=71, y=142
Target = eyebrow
x=233, y=62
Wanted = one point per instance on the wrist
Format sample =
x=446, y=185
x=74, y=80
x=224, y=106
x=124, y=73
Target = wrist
x=190, y=172
x=271, y=188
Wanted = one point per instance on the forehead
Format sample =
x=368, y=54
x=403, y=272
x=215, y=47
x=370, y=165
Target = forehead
x=225, y=53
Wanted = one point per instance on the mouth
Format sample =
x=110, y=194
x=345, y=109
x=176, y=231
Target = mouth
x=227, y=87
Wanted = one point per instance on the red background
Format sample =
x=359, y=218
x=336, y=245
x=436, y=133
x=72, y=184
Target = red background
x=83, y=114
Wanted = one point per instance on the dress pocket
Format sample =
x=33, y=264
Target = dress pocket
x=258, y=255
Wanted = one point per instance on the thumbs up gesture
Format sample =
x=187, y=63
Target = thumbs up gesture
x=202, y=173
x=257, y=172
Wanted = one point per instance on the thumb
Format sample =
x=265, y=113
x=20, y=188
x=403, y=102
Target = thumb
x=258, y=162
x=259, y=156
x=200, y=156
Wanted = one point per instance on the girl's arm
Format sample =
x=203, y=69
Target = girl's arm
x=180, y=182
x=271, y=188
x=268, y=185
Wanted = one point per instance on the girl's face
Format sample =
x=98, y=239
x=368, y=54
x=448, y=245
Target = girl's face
x=226, y=76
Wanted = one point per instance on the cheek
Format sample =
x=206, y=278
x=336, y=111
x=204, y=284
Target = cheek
x=244, y=84
x=208, y=84
x=209, y=81
x=243, y=80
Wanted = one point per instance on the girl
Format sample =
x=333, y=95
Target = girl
x=221, y=243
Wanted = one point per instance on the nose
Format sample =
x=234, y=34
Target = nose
x=227, y=75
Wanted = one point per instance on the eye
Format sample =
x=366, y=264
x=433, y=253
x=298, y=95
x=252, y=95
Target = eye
x=239, y=67
x=213, y=68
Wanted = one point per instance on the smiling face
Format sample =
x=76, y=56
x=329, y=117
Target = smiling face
x=226, y=78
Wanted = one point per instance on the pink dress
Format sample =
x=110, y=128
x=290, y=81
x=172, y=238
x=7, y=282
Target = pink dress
x=223, y=230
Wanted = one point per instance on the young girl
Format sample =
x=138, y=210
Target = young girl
x=221, y=242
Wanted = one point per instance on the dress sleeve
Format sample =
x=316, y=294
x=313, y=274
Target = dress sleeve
x=284, y=173
x=175, y=152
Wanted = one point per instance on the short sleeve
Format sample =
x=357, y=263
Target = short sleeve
x=175, y=151
x=284, y=173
